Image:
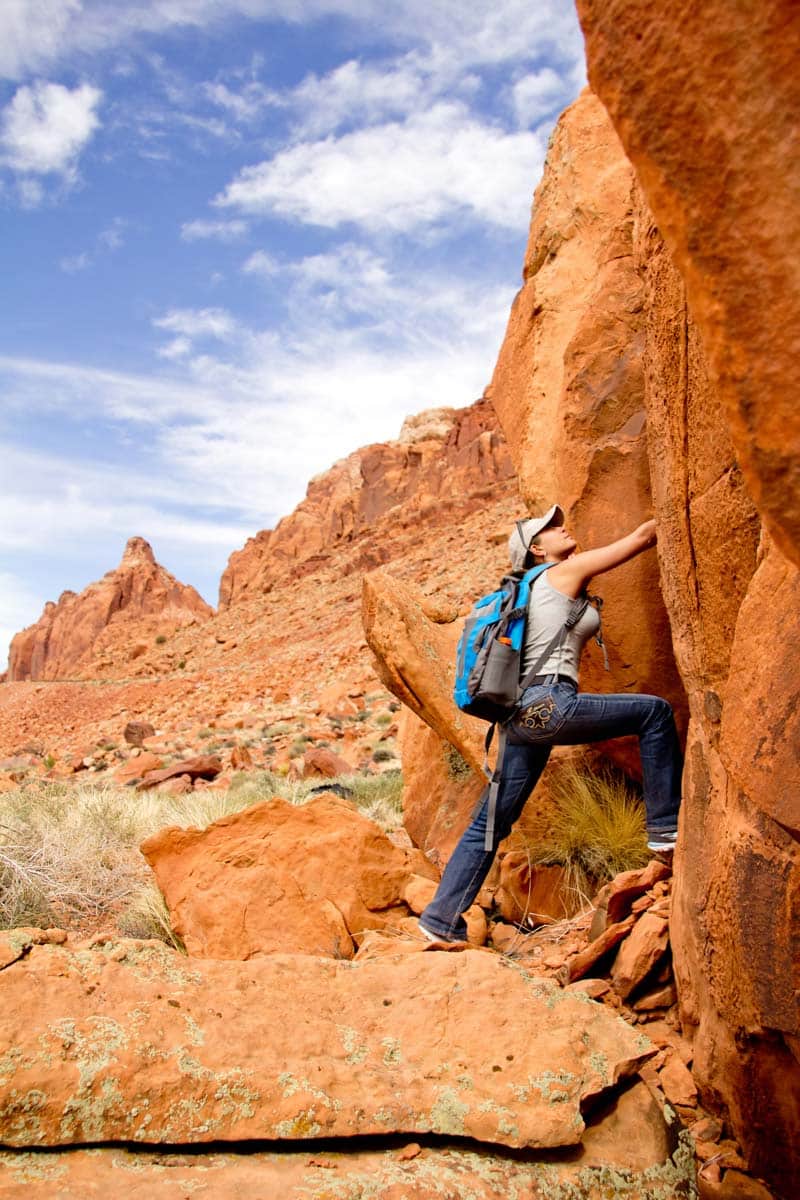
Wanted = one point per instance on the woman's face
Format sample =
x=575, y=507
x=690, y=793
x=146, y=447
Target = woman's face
x=554, y=542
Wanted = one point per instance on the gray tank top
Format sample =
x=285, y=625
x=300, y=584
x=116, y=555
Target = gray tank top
x=547, y=611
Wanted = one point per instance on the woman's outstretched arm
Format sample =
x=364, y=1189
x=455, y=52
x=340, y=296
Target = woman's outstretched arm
x=572, y=575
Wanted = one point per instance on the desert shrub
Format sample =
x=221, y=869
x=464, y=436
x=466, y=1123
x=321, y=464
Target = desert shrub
x=161, y=639
x=383, y=718
x=273, y=731
x=383, y=754
x=596, y=828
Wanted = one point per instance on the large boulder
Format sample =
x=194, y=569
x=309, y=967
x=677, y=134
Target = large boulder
x=569, y=388
x=705, y=99
x=279, y=877
x=130, y=1042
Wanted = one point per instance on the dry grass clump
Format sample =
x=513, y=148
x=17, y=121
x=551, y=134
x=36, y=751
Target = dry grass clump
x=596, y=829
x=69, y=854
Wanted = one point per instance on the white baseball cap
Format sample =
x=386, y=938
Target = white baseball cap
x=524, y=533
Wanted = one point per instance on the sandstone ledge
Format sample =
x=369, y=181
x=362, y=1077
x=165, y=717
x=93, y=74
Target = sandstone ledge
x=131, y=1042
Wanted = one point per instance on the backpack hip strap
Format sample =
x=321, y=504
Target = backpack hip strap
x=494, y=784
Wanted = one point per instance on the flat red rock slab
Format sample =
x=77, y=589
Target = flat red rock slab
x=130, y=1041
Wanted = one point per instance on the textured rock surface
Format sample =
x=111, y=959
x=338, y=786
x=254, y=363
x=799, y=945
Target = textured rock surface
x=441, y=457
x=629, y=1138
x=569, y=387
x=281, y=878
x=737, y=641
x=153, y=1048
x=705, y=100
x=68, y=633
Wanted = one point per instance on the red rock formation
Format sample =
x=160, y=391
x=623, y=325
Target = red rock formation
x=733, y=606
x=68, y=633
x=569, y=387
x=705, y=99
x=442, y=459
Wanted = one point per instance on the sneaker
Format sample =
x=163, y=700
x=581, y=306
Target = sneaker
x=662, y=841
x=437, y=937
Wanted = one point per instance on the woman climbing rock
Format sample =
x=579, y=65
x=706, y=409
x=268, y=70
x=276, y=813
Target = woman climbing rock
x=553, y=712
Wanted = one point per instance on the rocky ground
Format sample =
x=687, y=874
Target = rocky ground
x=335, y=1052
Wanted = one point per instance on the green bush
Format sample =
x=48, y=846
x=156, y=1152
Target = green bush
x=162, y=637
x=383, y=754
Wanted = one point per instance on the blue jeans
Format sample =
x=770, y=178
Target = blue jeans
x=561, y=717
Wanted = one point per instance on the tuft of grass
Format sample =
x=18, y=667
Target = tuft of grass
x=596, y=829
x=147, y=916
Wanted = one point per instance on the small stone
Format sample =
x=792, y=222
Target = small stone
x=594, y=988
x=410, y=1151
x=137, y=732
x=676, y=1080
x=708, y=1129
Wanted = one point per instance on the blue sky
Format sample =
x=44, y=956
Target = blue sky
x=242, y=238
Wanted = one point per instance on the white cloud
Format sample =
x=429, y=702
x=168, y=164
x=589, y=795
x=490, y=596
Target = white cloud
x=245, y=104
x=261, y=263
x=32, y=32
x=246, y=435
x=75, y=262
x=353, y=91
x=399, y=176
x=45, y=126
x=35, y=32
x=198, y=322
x=224, y=231
x=538, y=95
x=107, y=241
x=179, y=347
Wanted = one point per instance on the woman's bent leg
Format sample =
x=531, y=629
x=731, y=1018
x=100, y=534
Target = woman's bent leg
x=470, y=862
x=590, y=718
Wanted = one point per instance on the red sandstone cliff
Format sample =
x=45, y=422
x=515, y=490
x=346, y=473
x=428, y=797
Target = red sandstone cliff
x=443, y=459
x=705, y=101
x=66, y=635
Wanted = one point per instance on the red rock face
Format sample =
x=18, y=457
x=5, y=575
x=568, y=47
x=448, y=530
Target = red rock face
x=705, y=99
x=443, y=457
x=732, y=599
x=569, y=389
x=69, y=633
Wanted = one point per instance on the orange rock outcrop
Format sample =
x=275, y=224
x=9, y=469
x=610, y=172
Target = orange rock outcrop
x=442, y=458
x=705, y=100
x=131, y=604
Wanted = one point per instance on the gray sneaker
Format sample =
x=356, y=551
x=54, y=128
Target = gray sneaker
x=663, y=841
